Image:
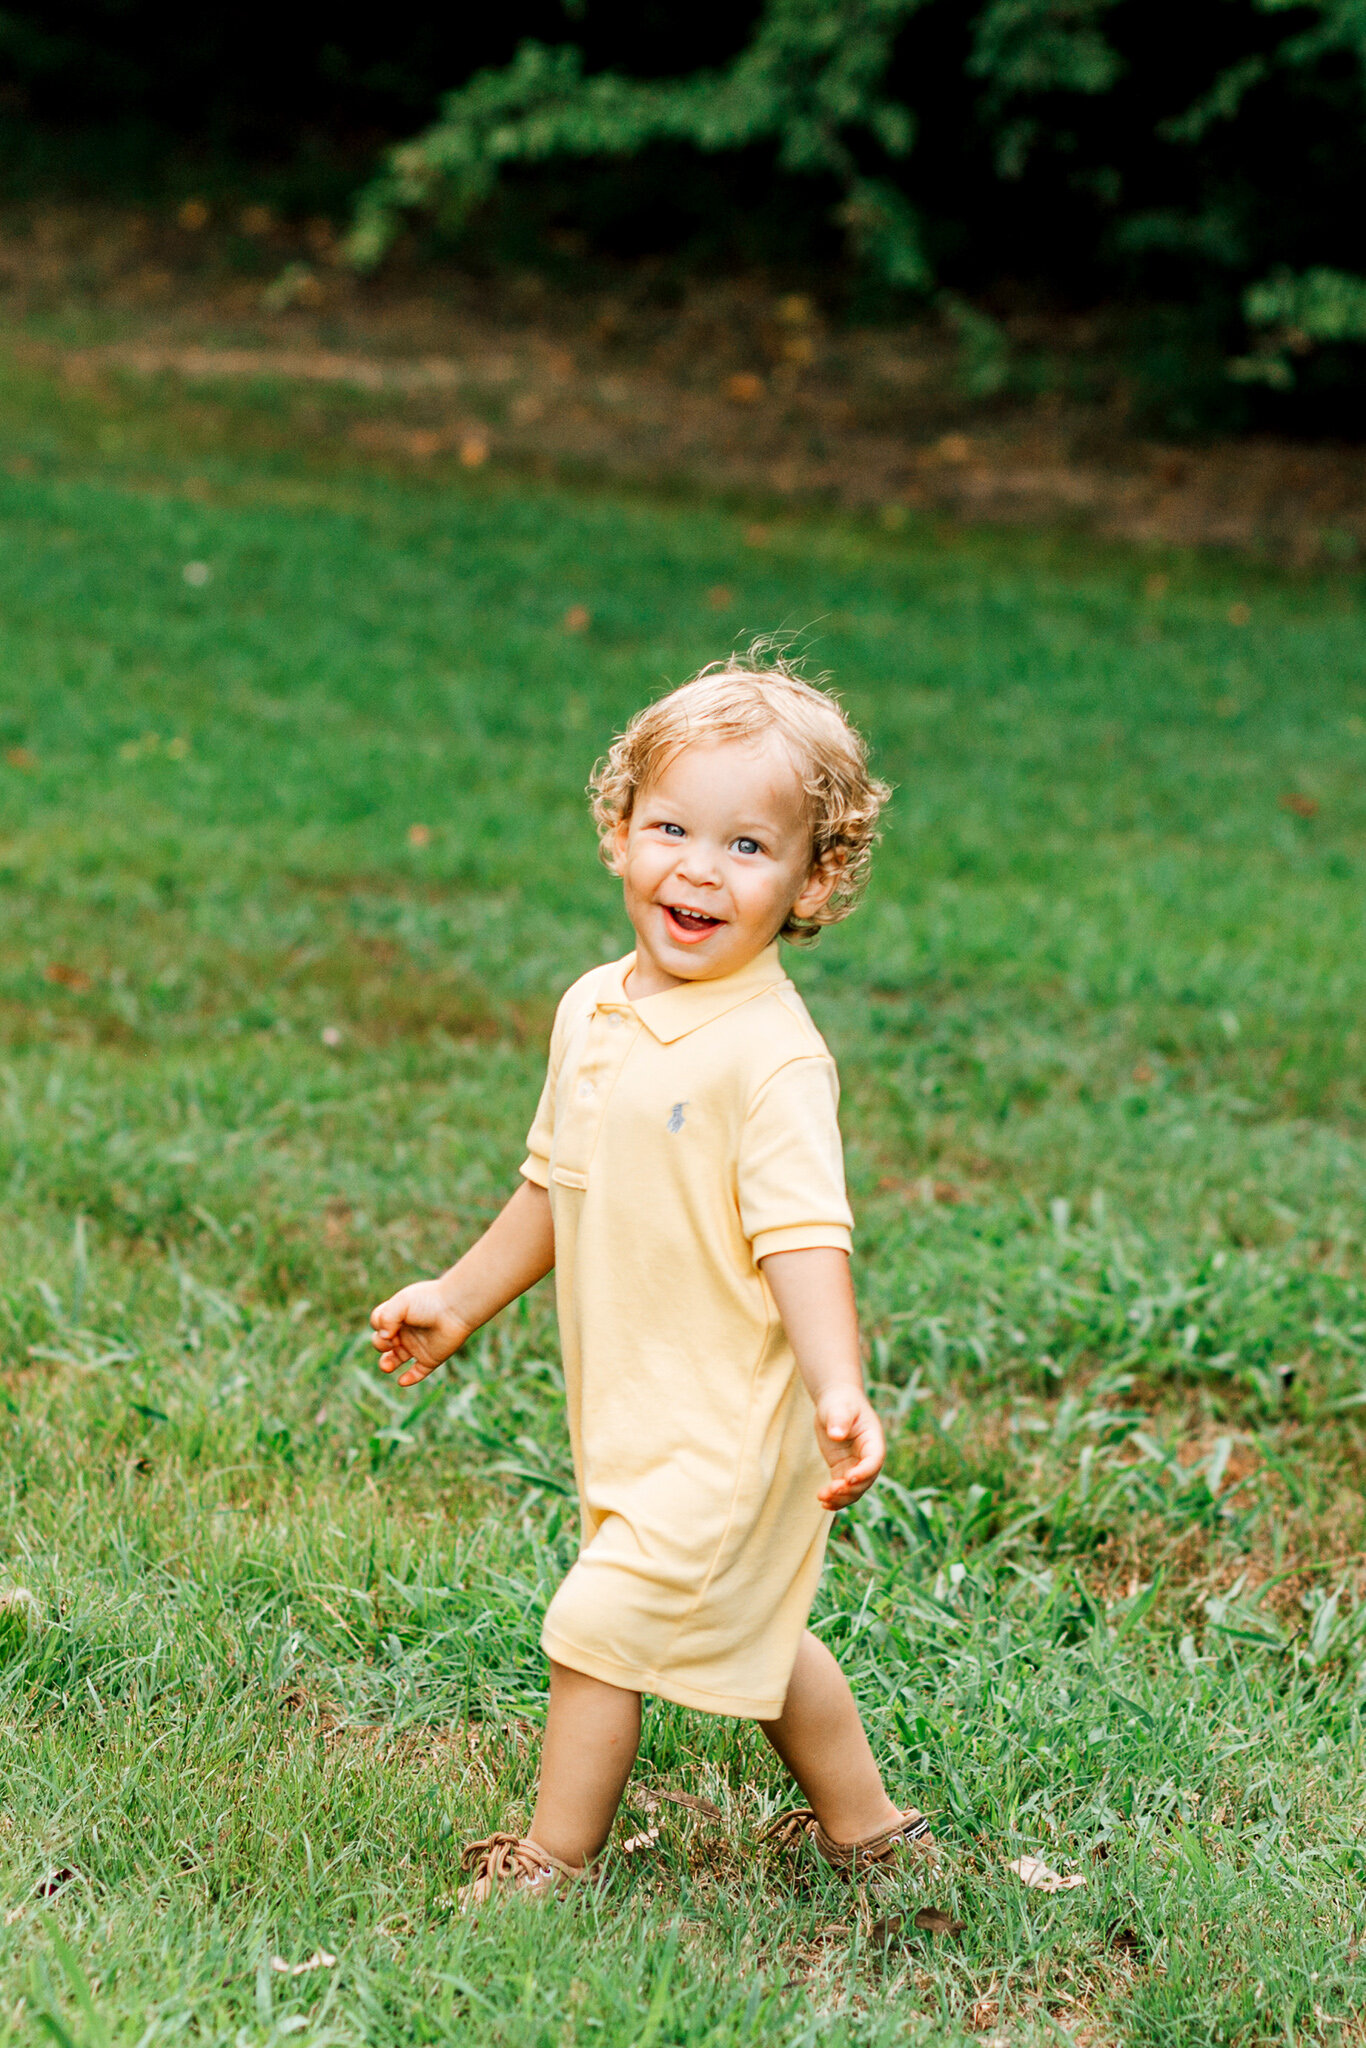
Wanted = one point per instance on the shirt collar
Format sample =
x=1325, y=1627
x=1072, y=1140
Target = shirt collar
x=674, y=1012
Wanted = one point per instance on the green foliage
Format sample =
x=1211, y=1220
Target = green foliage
x=808, y=84
x=1017, y=155
x=1026, y=49
x=1108, y=164
x=263, y=1053
x=1292, y=315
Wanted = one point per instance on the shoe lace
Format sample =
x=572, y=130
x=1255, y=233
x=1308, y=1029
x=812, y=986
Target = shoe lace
x=504, y=1857
x=788, y=1830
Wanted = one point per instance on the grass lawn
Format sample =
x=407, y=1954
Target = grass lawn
x=294, y=862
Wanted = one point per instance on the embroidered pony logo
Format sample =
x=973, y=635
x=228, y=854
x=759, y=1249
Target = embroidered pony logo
x=675, y=1123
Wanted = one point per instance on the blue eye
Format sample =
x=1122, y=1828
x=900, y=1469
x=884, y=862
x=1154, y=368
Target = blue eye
x=676, y=830
x=747, y=845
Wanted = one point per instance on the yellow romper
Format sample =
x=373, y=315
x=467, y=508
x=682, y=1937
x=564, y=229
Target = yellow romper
x=682, y=1138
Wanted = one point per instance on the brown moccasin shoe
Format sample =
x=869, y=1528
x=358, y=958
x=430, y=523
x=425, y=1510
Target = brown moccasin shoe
x=513, y=1863
x=876, y=1854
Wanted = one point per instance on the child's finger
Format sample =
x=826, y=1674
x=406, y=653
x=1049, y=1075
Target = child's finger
x=852, y=1479
x=395, y=1348
x=842, y=1493
x=417, y=1371
x=860, y=1475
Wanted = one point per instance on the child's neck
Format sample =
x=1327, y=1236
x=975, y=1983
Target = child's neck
x=648, y=978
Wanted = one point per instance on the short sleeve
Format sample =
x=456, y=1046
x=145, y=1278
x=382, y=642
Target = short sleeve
x=536, y=1166
x=791, y=1170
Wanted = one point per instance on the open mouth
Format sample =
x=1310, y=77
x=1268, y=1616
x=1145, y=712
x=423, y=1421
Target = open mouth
x=689, y=924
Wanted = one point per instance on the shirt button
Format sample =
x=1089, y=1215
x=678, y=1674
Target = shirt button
x=615, y=1020
x=586, y=1091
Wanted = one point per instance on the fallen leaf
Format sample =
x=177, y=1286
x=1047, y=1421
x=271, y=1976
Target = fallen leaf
x=931, y=1920
x=319, y=1960
x=474, y=450
x=14, y=1913
x=22, y=759
x=1040, y=1878
x=1302, y=806
x=633, y=1844
x=577, y=619
x=928, y=1920
x=690, y=1800
x=419, y=835
x=66, y=977
x=744, y=388
x=49, y=1886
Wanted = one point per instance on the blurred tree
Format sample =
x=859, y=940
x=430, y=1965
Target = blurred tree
x=1195, y=163
x=809, y=84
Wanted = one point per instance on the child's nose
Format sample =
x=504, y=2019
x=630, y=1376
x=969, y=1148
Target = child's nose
x=700, y=865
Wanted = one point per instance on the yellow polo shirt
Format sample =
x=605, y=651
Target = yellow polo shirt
x=682, y=1138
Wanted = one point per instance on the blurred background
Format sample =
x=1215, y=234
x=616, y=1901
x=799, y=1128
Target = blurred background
x=1065, y=229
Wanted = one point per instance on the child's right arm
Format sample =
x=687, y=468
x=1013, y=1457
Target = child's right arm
x=422, y=1325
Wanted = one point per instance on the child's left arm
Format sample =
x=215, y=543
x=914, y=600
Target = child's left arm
x=815, y=1298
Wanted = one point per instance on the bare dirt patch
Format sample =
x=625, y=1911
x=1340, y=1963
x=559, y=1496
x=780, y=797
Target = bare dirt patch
x=733, y=387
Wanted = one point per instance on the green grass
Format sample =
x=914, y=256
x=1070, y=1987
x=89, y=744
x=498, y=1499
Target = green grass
x=263, y=1058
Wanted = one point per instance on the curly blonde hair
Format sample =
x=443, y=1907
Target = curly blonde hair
x=746, y=700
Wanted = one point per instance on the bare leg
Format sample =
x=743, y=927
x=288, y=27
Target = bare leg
x=820, y=1738
x=592, y=1732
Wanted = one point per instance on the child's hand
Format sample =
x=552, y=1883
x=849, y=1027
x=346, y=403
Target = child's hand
x=416, y=1327
x=852, y=1444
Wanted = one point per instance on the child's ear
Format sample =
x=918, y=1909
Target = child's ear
x=818, y=887
x=621, y=832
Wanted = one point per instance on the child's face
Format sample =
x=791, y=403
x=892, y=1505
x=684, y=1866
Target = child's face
x=714, y=858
